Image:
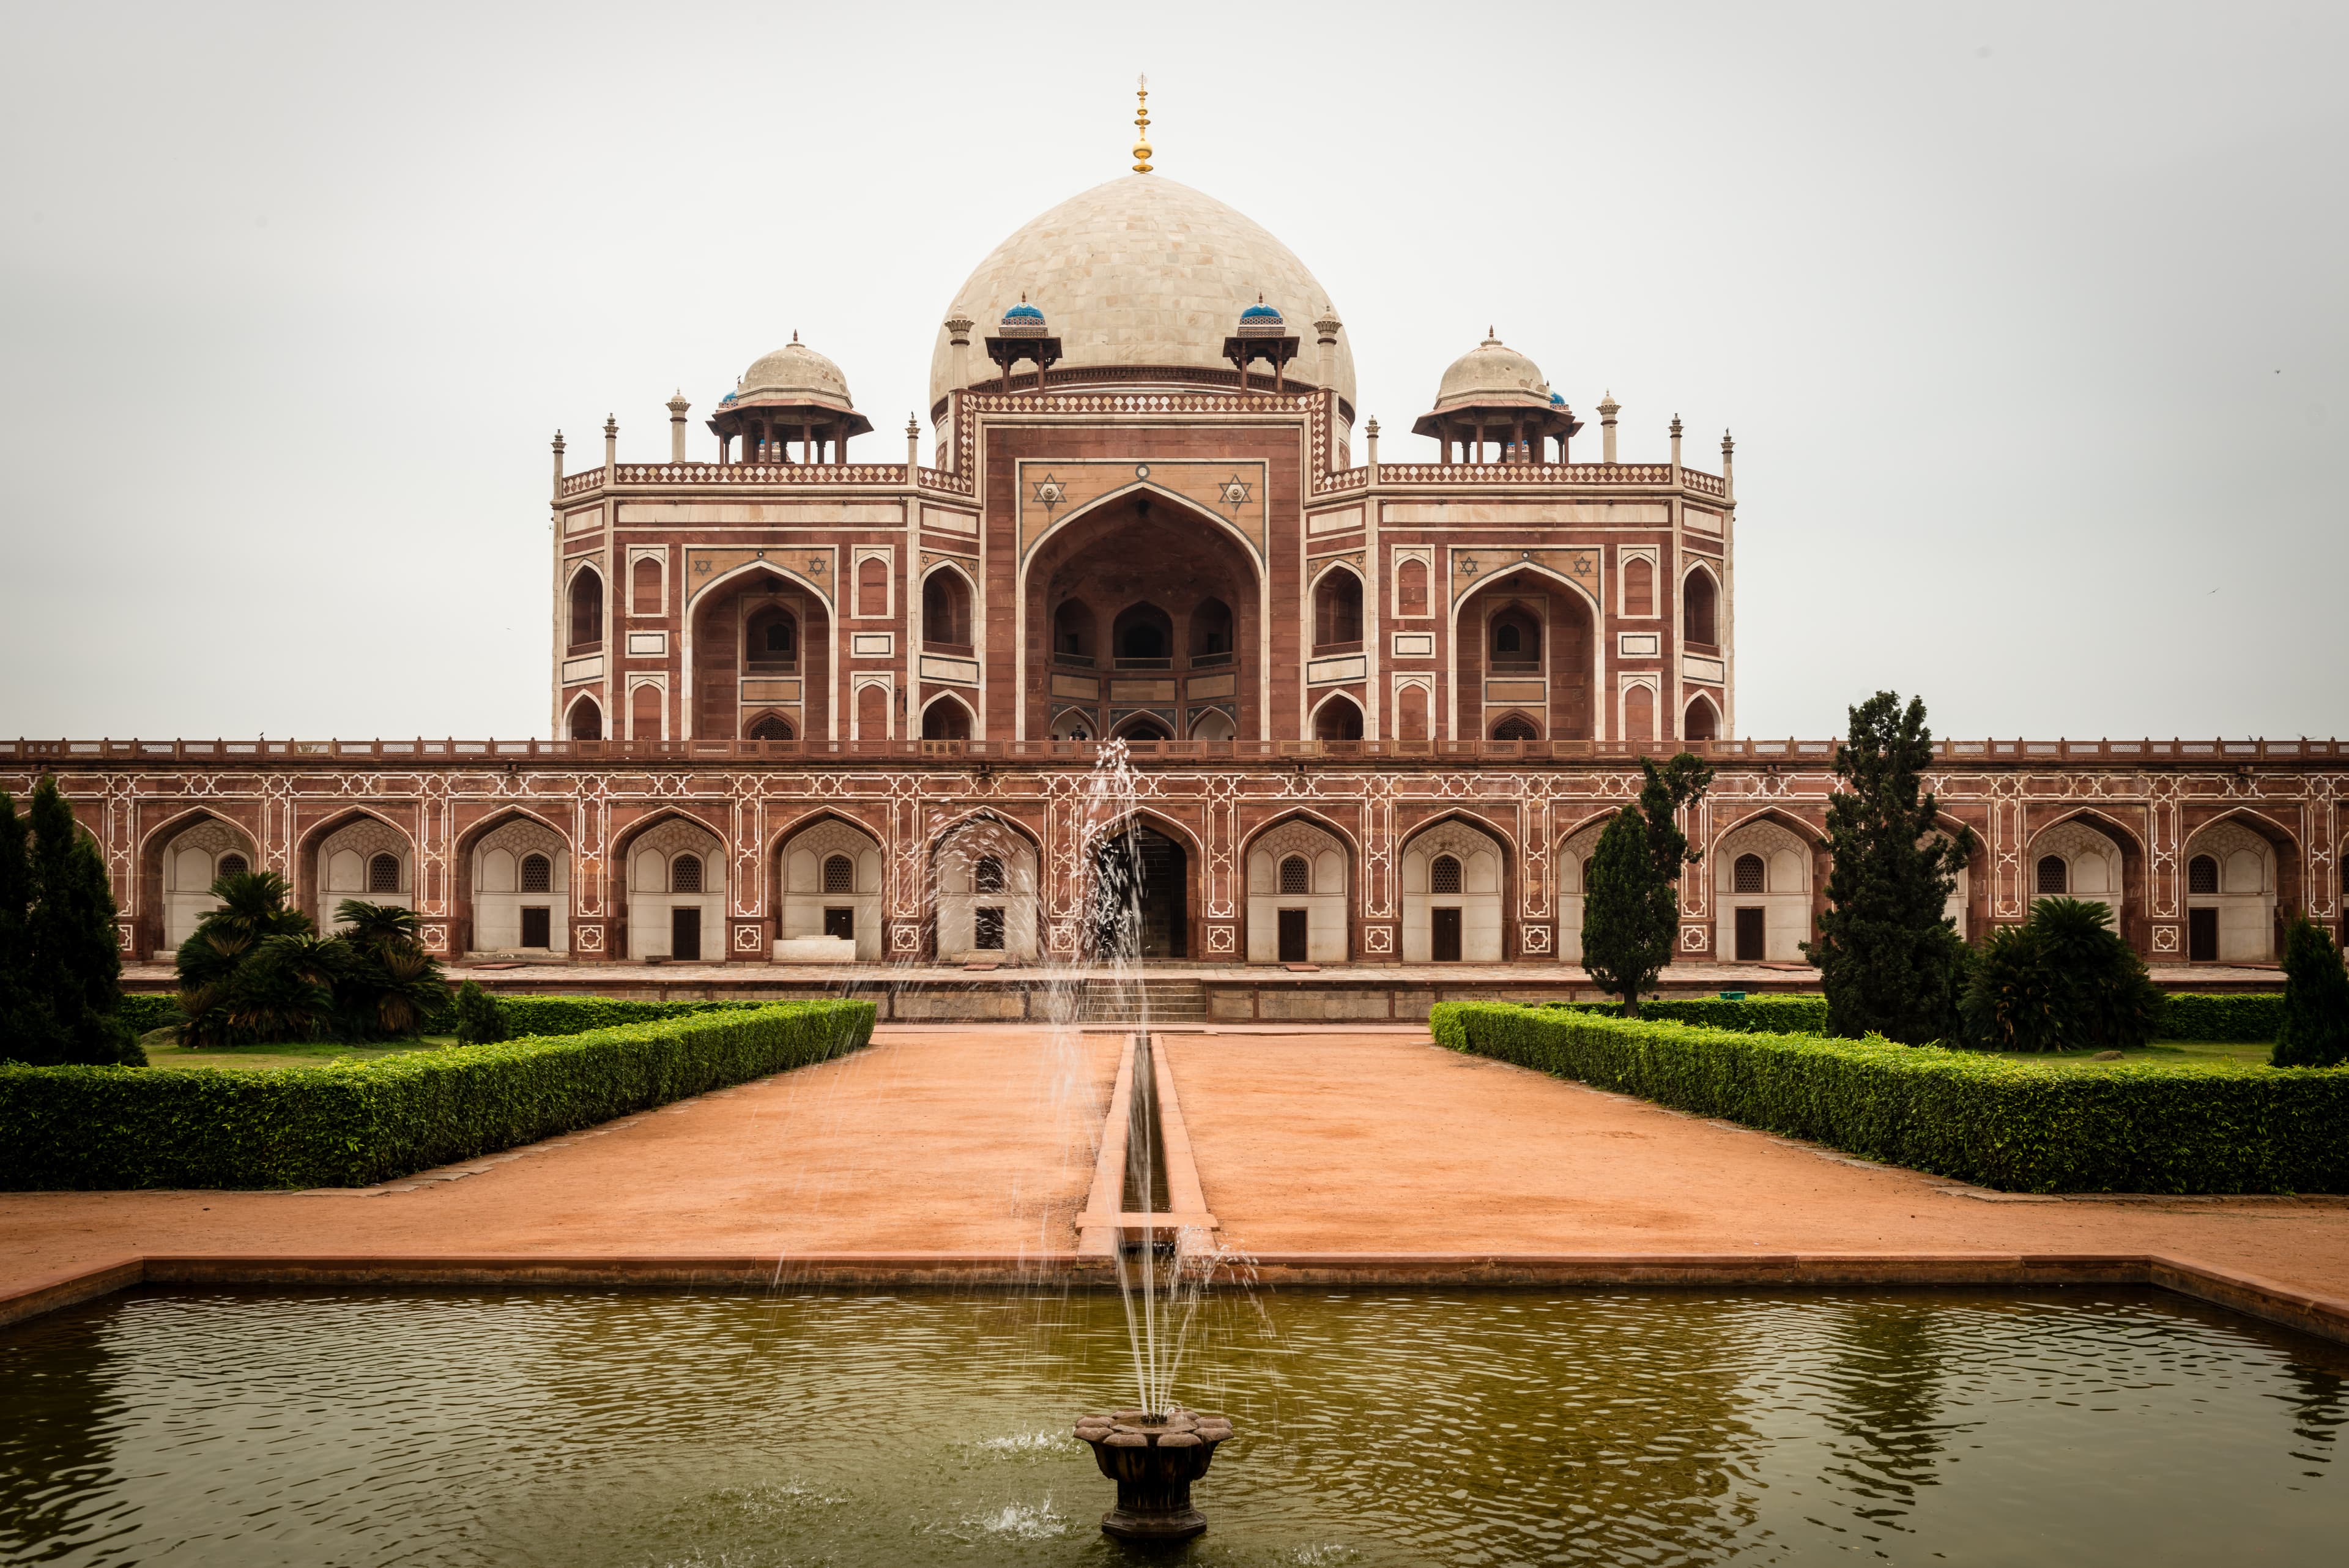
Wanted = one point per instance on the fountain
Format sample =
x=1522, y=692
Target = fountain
x=1153, y=1457
x=1155, y=1451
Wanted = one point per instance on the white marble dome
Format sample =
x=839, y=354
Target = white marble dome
x=1141, y=271
x=1492, y=373
x=794, y=373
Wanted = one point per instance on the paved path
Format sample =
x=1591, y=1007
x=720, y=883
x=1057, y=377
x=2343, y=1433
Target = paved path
x=1387, y=1143
x=926, y=1141
x=947, y=1140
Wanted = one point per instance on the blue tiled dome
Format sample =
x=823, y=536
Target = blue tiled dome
x=1557, y=399
x=1260, y=314
x=1023, y=315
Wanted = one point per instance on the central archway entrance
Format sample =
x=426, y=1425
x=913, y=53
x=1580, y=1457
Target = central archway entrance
x=1140, y=907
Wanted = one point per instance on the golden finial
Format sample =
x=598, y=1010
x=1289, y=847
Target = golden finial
x=1141, y=125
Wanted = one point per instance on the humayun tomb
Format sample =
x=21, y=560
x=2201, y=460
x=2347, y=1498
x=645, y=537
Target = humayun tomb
x=819, y=706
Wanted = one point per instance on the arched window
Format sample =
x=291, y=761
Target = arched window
x=1073, y=632
x=587, y=719
x=1296, y=874
x=1338, y=720
x=945, y=610
x=1699, y=602
x=1703, y=723
x=233, y=864
x=1411, y=588
x=2202, y=875
x=1639, y=713
x=839, y=873
x=383, y=874
x=1211, y=634
x=645, y=714
x=1337, y=611
x=872, y=585
x=946, y=719
x=986, y=875
x=770, y=727
x=1443, y=875
x=1746, y=875
x=685, y=874
x=1517, y=639
x=1144, y=727
x=2054, y=876
x=1141, y=636
x=537, y=874
x=586, y=608
x=645, y=596
x=1639, y=587
x=1516, y=727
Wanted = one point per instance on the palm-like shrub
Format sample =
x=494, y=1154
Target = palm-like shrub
x=479, y=1020
x=2315, y=1029
x=390, y=985
x=255, y=972
x=2062, y=981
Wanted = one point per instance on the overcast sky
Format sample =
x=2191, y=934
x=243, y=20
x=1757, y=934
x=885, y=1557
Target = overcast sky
x=2030, y=320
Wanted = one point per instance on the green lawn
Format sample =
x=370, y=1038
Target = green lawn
x=2242, y=1052
x=163, y=1054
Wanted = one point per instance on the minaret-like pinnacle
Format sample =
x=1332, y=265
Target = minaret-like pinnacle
x=1141, y=125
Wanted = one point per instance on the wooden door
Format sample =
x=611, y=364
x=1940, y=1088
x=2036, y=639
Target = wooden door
x=684, y=932
x=2202, y=935
x=1750, y=947
x=1292, y=936
x=840, y=923
x=537, y=928
x=1444, y=934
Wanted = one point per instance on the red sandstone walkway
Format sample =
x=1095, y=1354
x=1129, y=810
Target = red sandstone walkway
x=1382, y=1142
x=926, y=1141
x=979, y=1141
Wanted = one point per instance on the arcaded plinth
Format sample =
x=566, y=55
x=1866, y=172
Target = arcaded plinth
x=1153, y=1460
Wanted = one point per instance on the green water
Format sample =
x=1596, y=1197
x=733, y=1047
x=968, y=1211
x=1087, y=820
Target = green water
x=2081, y=1427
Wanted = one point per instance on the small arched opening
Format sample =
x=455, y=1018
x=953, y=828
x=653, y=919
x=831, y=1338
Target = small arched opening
x=770, y=642
x=768, y=727
x=1211, y=635
x=586, y=720
x=945, y=611
x=1338, y=717
x=946, y=719
x=1073, y=633
x=1338, y=612
x=1699, y=610
x=1516, y=727
x=586, y=608
x=1517, y=641
x=1702, y=722
x=1144, y=637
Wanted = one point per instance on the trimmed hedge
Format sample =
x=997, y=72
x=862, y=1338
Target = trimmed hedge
x=145, y=1010
x=2184, y=1016
x=2027, y=1127
x=353, y=1124
x=2253, y=1018
x=526, y=1015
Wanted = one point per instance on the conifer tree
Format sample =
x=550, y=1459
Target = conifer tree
x=1630, y=902
x=1890, y=960
x=61, y=947
x=2316, y=1032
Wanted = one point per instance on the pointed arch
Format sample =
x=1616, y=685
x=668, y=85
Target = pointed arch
x=164, y=906
x=1298, y=872
x=972, y=915
x=328, y=872
x=584, y=719
x=490, y=918
x=949, y=607
x=1701, y=605
x=947, y=717
x=1700, y=721
x=1457, y=891
x=587, y=604
x=1337, y=717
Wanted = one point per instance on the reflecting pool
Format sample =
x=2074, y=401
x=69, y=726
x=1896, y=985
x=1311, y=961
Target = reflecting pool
x=2078, y=1426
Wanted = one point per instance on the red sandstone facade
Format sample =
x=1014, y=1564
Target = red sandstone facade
x=815, y=710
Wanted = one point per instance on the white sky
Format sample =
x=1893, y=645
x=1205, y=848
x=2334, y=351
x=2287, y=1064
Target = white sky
x=2029, y=320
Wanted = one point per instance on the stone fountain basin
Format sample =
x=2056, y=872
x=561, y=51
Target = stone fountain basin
x=1153, y=1460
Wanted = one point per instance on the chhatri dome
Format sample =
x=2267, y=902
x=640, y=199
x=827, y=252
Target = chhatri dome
x=1142, y=271
x=1492, y=374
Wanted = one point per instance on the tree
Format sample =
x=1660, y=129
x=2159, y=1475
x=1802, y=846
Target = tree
x=2316, y=1032
x=2064, y=980
x=59, y=944
x=1890, y=961
x=1630, y=902
x=234, y=995
x=390, y=984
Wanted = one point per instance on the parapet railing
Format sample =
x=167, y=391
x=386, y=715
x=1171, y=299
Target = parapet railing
x=670, y=474
x=1812, y=754
x=1520, y=474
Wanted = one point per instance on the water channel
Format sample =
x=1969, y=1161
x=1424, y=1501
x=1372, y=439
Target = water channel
x=2078, y=1427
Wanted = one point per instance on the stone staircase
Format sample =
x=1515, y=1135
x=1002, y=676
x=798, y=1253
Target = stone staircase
x=1163, y=1000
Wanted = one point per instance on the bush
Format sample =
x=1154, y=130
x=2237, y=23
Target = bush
x=577, y=1014
x=2025, y=1126
x=2249, y=1018
x=142, y=1011
x=1800, y=1014
x=351, y=1124
x=2062, y=980
x=2315, y=1030
x=255, y=972
x=479, y=1020
x=60, y=948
